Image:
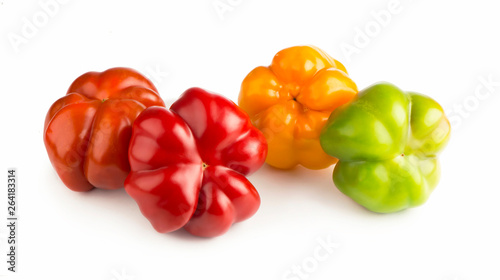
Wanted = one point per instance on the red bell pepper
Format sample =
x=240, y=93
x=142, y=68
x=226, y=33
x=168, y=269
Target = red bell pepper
x=188, y=164
x=87, y=132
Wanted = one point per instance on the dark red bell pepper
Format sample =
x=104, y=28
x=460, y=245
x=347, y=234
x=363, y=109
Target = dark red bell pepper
x=87, y=132
x=188, y=164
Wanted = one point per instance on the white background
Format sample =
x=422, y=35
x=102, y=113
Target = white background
x=440, y=48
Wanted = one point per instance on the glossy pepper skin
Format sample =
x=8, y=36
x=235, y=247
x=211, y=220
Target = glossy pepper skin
x=291, y=100
x=87, y=132
x=189, y=164
x=387, y=142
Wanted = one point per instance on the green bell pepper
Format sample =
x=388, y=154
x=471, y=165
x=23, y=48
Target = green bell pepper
x=387, y=142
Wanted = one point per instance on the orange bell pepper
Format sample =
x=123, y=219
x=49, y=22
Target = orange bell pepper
x=290, y=102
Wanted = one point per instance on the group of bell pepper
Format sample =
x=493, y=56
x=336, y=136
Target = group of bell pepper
x=186, y=166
